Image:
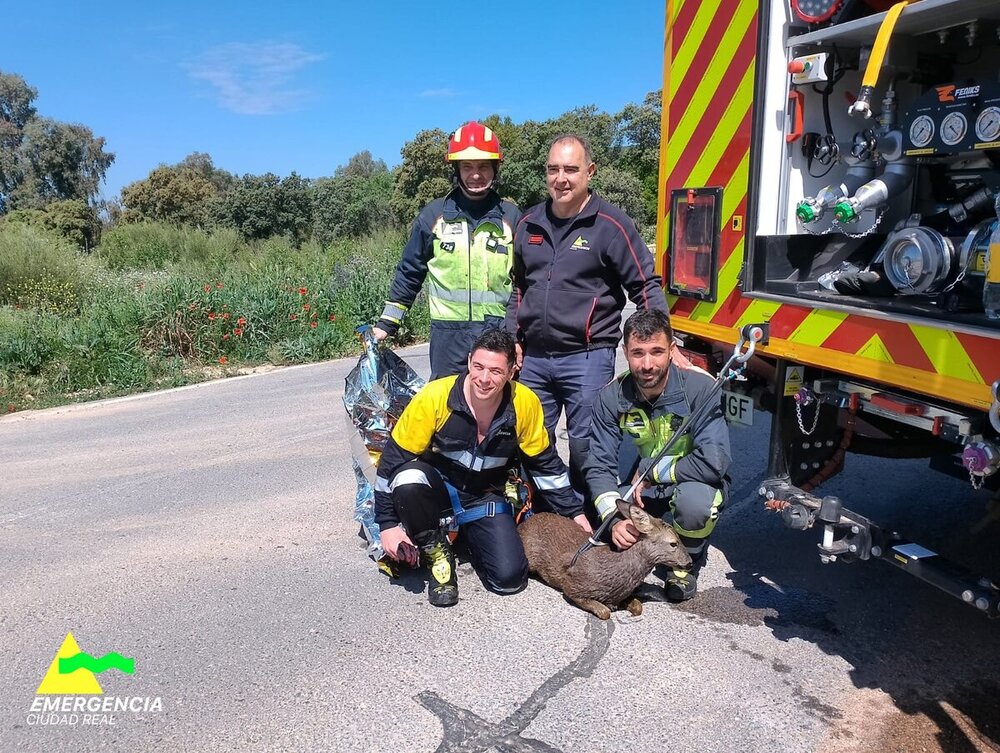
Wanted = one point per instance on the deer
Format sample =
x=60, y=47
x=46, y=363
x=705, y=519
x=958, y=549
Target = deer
x=601, y=579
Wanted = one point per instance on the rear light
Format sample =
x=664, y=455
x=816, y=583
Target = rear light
x=694, y=242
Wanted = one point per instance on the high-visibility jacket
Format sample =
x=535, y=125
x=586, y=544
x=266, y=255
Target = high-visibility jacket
x=438, y=427
x=463, y=249
x=619, y=447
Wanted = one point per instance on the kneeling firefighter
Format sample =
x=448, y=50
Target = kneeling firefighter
x=445, y=465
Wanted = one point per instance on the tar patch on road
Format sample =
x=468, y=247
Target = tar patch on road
x=465, y=732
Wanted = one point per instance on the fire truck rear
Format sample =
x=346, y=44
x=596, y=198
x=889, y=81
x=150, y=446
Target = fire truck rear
x=831, y=169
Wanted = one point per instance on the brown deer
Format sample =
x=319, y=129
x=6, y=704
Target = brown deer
x=602, y=578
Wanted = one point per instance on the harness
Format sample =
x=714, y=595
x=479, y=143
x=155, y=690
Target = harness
x=460, y=515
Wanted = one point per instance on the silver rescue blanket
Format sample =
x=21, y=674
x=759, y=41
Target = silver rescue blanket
x=375, y=394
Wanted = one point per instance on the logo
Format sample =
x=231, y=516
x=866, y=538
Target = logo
x=949, y=92
x=945, y=93
x=535, y=240
x=580, y=244
x=70, y=693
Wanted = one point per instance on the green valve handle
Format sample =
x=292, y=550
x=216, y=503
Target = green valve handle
x=805, y=212
x=844, y=211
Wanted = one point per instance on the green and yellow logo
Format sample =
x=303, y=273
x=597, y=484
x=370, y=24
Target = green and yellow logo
x=70, y=694
x=72, y=670
x=580, y=244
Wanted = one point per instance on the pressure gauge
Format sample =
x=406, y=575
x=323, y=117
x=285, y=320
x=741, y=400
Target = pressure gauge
x=953, y=128
x=988, y=124
x=922, y=131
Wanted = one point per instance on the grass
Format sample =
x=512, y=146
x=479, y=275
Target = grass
x=158, y=306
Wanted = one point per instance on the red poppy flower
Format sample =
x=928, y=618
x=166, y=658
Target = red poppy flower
x=305, y=306
x=225, y=336
x=223, y=359
x=315, y=314
x=218, y=286
x=303, y=291
x=208, y=288
x=211, y=315
x=312, y=324
x=333, y=317
x=226, y=316
x=242, y=320
x=238, y=332
x=293, y=317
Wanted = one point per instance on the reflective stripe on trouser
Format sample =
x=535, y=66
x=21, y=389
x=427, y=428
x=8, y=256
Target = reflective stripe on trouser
x=695, y=508
x=421, y=499
x=691, y=507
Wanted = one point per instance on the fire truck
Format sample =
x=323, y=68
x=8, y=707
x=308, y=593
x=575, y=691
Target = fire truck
x=830, y=169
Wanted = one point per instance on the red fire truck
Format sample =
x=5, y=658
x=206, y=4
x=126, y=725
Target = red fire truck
x=831, y=168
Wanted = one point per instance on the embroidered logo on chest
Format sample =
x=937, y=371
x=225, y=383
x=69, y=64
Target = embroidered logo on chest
x=580, y=244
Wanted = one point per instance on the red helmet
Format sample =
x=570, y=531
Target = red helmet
x=473, y=141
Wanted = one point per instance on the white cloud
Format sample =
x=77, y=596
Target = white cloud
x=438, y=93
x=256, y=78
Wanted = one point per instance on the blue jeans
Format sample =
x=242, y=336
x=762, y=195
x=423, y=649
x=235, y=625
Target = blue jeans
x=570, y=382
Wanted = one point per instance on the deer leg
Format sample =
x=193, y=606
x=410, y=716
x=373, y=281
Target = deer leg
x=593, y=606
x=634, y=606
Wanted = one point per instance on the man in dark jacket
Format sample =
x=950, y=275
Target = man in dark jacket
x=634, y=417
x=463, y=243
x=575, y=256
x=448, y=457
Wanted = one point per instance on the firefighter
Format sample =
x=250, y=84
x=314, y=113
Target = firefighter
x=448, y=458
x=462, y=244
x=634, y=416
x=575, y=256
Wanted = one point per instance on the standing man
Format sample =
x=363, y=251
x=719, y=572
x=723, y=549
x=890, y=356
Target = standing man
x=463, y=243
x=634, y=417
x=575, y=256
x=448, y=456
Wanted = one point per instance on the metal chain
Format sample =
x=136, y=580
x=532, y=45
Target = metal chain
x=798, y=417
x=976, y=480
x=869, y=231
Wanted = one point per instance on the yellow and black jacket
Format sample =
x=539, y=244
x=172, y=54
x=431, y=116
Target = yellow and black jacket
x=438, y=427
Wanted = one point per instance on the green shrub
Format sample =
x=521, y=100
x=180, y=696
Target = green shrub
x=38, y=269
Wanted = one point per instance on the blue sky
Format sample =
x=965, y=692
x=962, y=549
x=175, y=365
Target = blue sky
x=285, y=86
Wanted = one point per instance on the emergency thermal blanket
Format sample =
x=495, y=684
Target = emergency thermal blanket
x=375, y=394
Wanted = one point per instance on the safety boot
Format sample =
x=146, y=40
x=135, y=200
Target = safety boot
x=681, y=585
x=442, y=589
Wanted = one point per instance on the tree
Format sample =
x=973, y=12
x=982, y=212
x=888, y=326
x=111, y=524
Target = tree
x=16, y=110
x=639, y=147
x=72, y=219
x=622, y=189
x=423, y=175
x=182, y=194
x=350, y=206
x=260, y=206
x=44, y=160
x=361, y=165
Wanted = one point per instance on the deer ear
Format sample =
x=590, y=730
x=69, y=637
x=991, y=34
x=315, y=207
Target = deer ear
x=623, y=508
x=640, y=519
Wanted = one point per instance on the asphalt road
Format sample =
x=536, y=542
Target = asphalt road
x=206, y=532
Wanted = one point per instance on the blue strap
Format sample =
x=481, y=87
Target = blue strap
x=460, y=516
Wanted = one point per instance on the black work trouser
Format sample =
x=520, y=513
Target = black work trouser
x=421, y=499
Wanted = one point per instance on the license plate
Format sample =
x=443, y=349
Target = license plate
x=737, y=408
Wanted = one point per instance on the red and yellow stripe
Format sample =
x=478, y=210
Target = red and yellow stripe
x=708, y=74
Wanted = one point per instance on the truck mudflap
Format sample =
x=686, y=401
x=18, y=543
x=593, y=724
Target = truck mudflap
x=849, y=537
